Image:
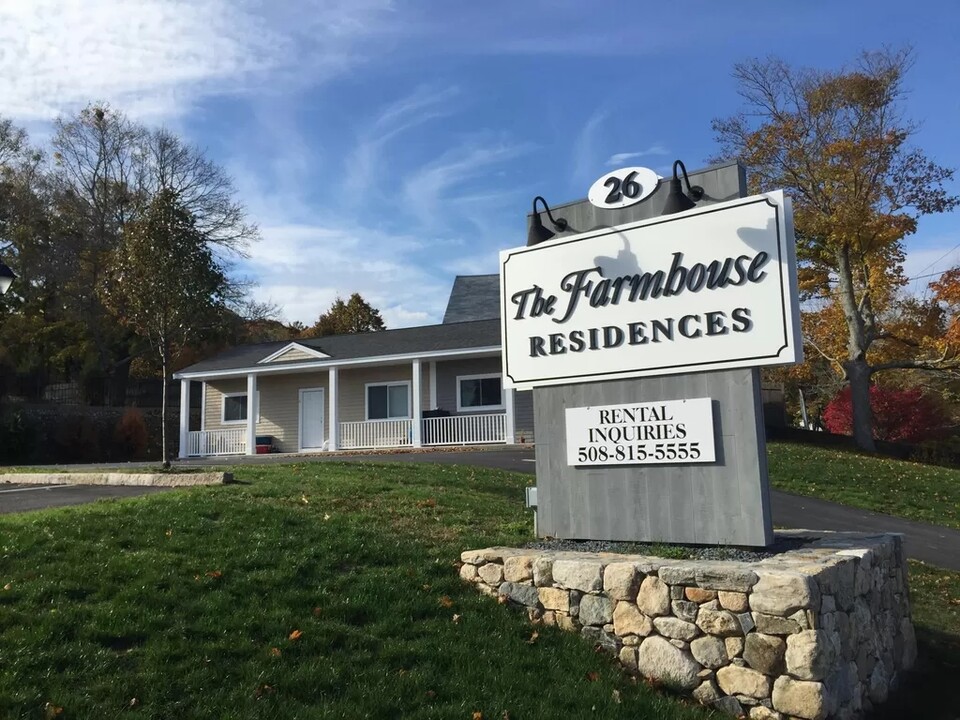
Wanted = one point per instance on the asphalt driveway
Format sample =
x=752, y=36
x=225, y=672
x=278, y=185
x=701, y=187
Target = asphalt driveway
x=20, y=498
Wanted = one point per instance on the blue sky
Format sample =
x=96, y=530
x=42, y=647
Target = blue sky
x=386, y=146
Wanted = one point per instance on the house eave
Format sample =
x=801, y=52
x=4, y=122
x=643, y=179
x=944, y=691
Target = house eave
x=334, y=363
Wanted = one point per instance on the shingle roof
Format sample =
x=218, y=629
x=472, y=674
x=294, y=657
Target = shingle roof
x=403, y=341
x=473, y=297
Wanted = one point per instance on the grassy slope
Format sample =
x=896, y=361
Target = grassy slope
x=918, y=492
x=186, y=602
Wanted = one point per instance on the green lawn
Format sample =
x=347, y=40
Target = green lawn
x=927, y=493
x=322, y=591
x=308, y=591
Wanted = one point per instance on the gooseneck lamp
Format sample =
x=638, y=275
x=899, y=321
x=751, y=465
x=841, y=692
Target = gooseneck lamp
x=676, y=200
x=538, y=233
x=6, y=278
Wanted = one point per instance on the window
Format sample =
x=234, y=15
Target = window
x=235, y=408
x=479, y=392
x=388, y=400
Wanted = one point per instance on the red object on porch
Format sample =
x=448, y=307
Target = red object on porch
x=264, y=449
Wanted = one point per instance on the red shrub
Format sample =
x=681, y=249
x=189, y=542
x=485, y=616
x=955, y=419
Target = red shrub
x=898, y=415
x=130, y=435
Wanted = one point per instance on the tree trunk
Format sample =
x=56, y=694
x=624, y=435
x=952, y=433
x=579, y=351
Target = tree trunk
x=858, y=375
x=859, y=338
x=163, y=409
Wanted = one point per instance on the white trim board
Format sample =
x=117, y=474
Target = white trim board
x=294, y=346
x=326, y=365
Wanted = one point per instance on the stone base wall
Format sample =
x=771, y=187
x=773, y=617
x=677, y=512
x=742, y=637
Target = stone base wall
x=823, y=631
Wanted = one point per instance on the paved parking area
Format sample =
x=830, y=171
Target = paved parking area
x=19, y=498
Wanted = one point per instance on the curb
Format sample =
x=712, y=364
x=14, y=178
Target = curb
x=113, y=478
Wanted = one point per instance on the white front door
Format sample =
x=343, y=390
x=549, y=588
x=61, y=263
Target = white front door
x=311, y=419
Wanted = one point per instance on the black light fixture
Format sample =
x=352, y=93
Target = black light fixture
x=676, y=200
x=538, y=233
x=6, y=278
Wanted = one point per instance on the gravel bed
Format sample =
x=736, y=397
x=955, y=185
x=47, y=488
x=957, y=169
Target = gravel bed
x=676, y=552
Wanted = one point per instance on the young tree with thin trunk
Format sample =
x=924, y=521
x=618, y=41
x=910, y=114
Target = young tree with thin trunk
x=164, y=282
x=837, y=141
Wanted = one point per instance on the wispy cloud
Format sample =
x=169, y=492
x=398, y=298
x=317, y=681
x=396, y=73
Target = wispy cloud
x=620, y=158
x=421, y=106
x=455, y=169
x=156, y=58
x=585, y=149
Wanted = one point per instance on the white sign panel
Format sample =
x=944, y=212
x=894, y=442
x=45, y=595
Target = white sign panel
x=670, y=432
x=623, y=187
x=706, y=289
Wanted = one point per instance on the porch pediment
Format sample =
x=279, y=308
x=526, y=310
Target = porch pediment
x=294, y=351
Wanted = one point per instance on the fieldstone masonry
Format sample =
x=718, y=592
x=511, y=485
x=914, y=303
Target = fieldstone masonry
x=823, y=631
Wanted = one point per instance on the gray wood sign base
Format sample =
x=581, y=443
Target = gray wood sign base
x=724, y=502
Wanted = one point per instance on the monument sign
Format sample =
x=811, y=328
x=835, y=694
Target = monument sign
x=640, y=336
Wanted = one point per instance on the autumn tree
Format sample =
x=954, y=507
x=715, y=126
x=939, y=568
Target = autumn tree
x=164, y=282
x=838, y=142
x=354, y=316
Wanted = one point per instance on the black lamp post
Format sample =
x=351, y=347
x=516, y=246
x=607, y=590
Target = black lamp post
x=676, y=200
x=6, y=278
x=538, y=233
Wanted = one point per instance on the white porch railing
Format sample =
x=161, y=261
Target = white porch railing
x=217, y=442
x=465, y=429
x=376, y=434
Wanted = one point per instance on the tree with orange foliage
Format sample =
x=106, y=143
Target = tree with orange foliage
x=838, y=143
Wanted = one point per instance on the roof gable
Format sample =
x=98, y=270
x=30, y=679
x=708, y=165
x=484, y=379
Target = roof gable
x=294, y=351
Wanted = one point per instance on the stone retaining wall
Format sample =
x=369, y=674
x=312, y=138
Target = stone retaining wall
x=823, y=631
x=119, y=478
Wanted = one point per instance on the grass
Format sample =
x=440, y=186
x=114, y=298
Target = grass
x=306, y=591
x=917, y=492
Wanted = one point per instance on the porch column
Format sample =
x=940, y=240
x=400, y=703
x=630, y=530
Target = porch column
x=417, y=409
x=508, y=429
x=252, y=412
x=433, y=385
x=184, y=417
x=334, y=431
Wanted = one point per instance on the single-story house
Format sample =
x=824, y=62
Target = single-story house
x=410, y=387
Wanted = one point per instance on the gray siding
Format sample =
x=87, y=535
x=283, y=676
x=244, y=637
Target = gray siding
x=449, y=370
x=523, y=416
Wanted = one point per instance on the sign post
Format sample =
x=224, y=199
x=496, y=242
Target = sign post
x=640, y=338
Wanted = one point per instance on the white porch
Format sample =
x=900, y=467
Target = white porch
x=344, y=407
x=479, y=429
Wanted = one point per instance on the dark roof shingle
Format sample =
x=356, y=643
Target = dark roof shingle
x=402, y=341
x=473, y=297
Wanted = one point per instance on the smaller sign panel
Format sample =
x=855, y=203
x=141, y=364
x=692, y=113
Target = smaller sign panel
x=623, y=187
x=666, y=432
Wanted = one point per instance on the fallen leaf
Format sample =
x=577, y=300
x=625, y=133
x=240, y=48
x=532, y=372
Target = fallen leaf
x=502, y=599
x=456, y=618
x=616, y=696
x=134, y=702
x=8, y=586
x=275, y=652
x=593, y=676
x=428, y=503
x=477, y=715
x=426, y=587
x=326, y=516
x=303, y=499
x=51, y=711
x=431, y=694
x=953, y=601
x=295, y=635
x=533, y=638
x=446, y=602
x=169, y=533
x=215, y=574
x=506, y=715
x=263, y=690
x=317, y=611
